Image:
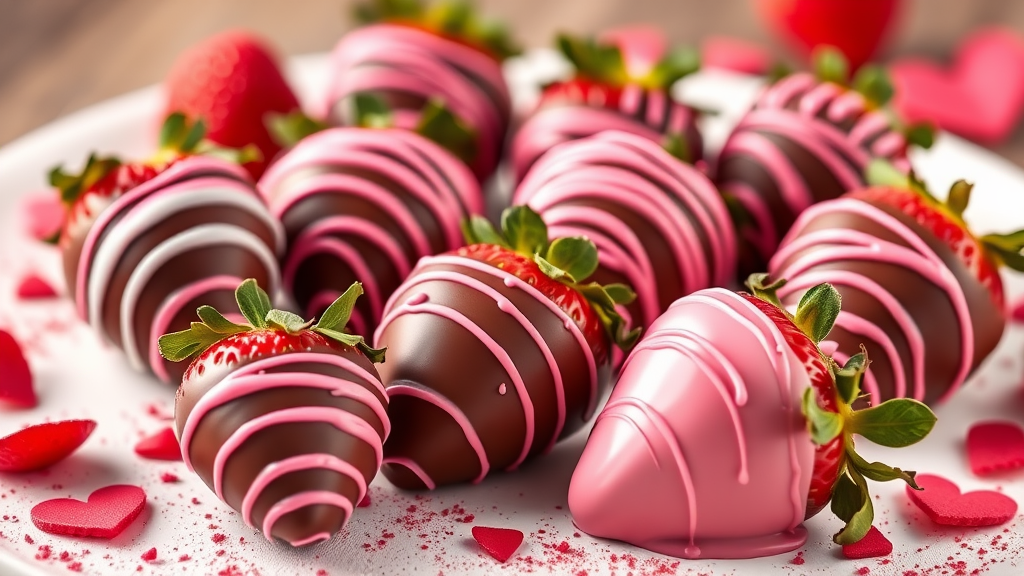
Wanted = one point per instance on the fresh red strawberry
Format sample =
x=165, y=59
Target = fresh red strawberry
x=104, y=179
x=232, y=82
x=855, y=27
x=451, y=20
x=839, y=472
x=982, y=256
x=556, y=269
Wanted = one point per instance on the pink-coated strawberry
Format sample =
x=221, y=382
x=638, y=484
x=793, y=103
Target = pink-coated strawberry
x=232, y=82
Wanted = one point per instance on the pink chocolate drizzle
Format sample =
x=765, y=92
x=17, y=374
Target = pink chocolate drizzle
x=807, y=259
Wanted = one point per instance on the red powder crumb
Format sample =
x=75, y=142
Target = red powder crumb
x=208, y=516
x=230, y=571
x=576, y=535
x=423, y=546
x=167, y=478
x=149, y=555
x=65, y=556
x=321, y=572
x=798, y=559
x=195, y=501
x=75, y=566
x=218, y=538
x=184, y=558
x=220, y=552
x=863, y=571
x=44, y=553
x=29, y=540
x=466, y=519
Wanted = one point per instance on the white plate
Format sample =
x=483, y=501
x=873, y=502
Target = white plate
x=79, y=377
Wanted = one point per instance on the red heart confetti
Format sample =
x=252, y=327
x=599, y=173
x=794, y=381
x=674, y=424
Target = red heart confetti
x=365, y=502
x=107, y=513
x=500, y=543
x=16, y=383
x=43, y=214
x=33, y=286
x=942, y=501
x=994, y=447
x=160, y=446
x=42, y=445
x=874, y=544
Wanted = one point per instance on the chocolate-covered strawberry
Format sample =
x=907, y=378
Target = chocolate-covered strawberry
x=408, y=54
x=808, y=138
x=363, y=204
x=921, y=292
x=146, y=242
x=284, y=419
x=622, y=82
x=685, y=459
x=494, y=351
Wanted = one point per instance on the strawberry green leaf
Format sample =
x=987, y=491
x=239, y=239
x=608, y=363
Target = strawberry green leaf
x=375, y=355
x=1006, y=248
x=851, y=502
x=894, y=423
x=881, y=172
x=437, y=123
x=880, y=472
x=762, y=286
x=478, y=230
x=173, y=131
x=388, y=10
x=575, y=255
x=678, y=63
x=604, y=306
x=525, y=230
x=193, y=137
x=921, y=134
x=371, y=111
x=552, y=271
x=599, y=62
x=830, y=65
x=620, y=293
x=874, y=84
x=849, y=377
x=72, y=186
x=823, y=425
x=817, y=311
x=337, y=315
x=450, y=17
x=287, y=321
x=289, y=129
x=217, y=322
x=178, y=346
x=676, y=145
x=253, y=303
x=959, y=197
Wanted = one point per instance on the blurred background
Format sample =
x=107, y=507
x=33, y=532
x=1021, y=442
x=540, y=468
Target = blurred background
x=57, y=56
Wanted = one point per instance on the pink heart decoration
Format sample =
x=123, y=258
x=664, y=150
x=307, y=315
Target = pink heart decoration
x=873, y=545
x=500, y=543
x=981, y=96
x=160, y=446
x=15, y=375
x=995, y=446
x=33, y=286
x=942, y=501
x=107, y=513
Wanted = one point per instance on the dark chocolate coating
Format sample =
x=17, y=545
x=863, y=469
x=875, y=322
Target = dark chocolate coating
x=804, y=141
x=929, y=306
x=274, y=443
x=183, y=239
x=439, y=371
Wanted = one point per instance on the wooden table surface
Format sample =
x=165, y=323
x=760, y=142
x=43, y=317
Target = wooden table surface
x=57, y=56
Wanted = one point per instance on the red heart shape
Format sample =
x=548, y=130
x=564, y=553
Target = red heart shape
x=160, y=446
x=981, y=96
x=32, y=286
x=107, y=513
x=995, y=446
x=874, y=544
x=15, y=375
x=855, y=27
x=500, y=543
x=942, y=501
x=42, y=445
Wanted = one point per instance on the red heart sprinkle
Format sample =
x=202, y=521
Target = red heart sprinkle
x=995, y=446
x=33, y=286
x=42, y=445
x=942, y=501
x=365, y=502
x=160, y=446
x=16, y=383
x=874, y=544
x=107, y=513
x=500, y=543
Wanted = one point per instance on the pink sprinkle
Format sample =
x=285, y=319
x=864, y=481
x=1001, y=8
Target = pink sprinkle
x=502, y=389
x=218, y=538
x=184, y=558
x=149, y=555
x=29, y=540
